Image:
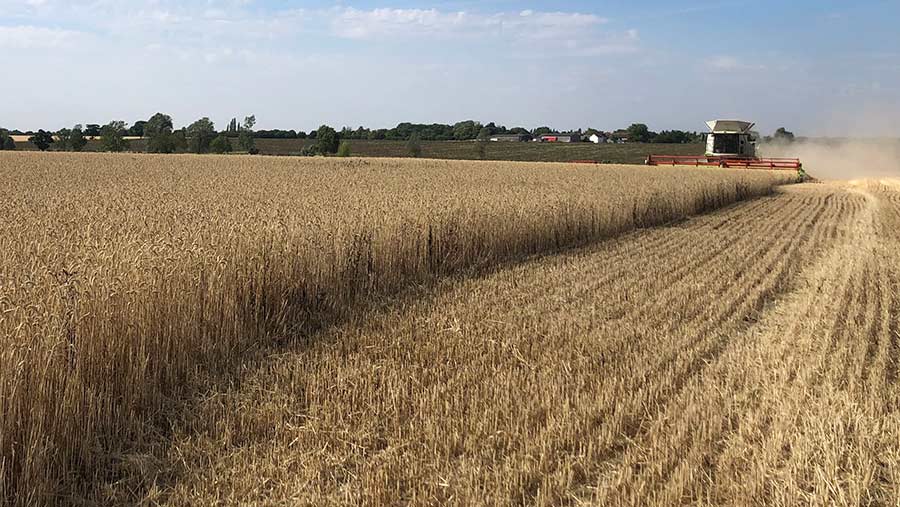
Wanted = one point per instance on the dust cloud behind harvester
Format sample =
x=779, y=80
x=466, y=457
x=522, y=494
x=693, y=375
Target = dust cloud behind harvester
x=842, y=159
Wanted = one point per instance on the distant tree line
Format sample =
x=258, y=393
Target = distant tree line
x=160, y=136
x=201, y=136
x=461, y=131
x=472, y=130
x=640, y=133
x=158, y=131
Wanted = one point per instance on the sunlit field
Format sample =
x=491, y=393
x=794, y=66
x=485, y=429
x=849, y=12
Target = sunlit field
x=433, y=331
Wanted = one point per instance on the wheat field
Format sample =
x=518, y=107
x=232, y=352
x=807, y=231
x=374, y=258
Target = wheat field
x=131, y=284
x=745, y=357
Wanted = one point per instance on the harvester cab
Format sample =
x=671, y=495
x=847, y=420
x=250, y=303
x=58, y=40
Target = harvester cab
x=730, y=143
x=731, y=138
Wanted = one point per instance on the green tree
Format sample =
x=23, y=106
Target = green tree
x=137, y=130
x=414, y=146
x=179, y=140
x=246, y=142
x=92, y=130
x=158, y=131
x=7, y=143
x=250, y=122
x=327, y=140
x=62, y=139
x=112, y=137
x=782, y=134
x=542, y=130
x=77, y=141
x=200, y=134
x=42, y=140
x=361, y=133
x=245, y=138
x=676, y=137
x=639, y=133
x=71, y=139
x=344, y=149
x=220, y=144
x=466, y=130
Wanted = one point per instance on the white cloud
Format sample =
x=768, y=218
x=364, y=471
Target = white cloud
x=524, y=34
x=205, y=53
x=146, y=21
x=546, y=25
x=35, y=37
x=730, y=63
x=723, y=63
x=207, y=25
x=358, y=24
x=164, y=17
x=379, y=23
x=612, y=48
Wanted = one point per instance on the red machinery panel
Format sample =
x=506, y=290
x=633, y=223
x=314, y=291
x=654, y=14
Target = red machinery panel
x=748, y=163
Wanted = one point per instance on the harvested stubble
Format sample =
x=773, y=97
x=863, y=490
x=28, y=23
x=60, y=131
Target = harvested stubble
x=123, y=275
x=744, y=357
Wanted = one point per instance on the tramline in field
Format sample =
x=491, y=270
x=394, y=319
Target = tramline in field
x=730, y=143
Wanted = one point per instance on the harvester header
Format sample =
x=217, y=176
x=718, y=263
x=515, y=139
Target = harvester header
x=729, y=143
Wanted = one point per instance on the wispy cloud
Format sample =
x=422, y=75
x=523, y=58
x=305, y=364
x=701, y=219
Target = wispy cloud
x=359, y=24
x=522, y=34
x=375, y=23
x=36, y=37
x=211, y=24
x=142, y=22
x=727, y=63
x=204, y=56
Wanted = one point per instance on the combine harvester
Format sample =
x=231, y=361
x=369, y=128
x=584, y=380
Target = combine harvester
x=730, y=143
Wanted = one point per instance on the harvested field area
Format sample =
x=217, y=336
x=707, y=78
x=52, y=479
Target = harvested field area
x=748, y=356
x=131, y=283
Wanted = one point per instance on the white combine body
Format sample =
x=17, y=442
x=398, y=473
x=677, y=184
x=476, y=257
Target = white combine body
x=731, y=138
x=729, y=143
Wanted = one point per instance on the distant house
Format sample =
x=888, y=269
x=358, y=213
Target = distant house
x=560, y=138
x=619, y=136
x=598, y=138
x=516, y=138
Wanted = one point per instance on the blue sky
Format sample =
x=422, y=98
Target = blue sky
x=817, y=67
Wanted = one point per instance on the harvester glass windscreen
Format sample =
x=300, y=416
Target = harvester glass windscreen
x=727, y=143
